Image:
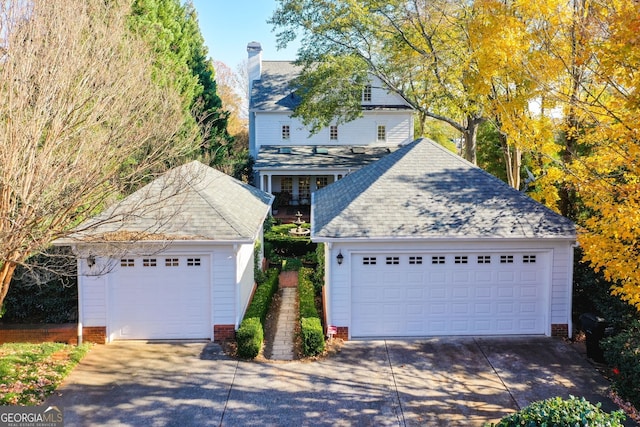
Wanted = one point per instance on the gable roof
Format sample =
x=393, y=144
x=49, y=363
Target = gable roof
x=424, y=191
x=189, y=202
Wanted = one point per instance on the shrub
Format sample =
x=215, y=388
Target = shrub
x=291, y=264
x=249, y=337
x=259, y=306
x=282, y=244
x=39, y=295
x=310, y=325
x=318, y=275
x=306, y=294
x=558, y=412
x=622, y=352
x=250, y=334
x=592, y=294
x=312, y=336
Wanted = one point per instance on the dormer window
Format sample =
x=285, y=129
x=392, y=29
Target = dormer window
x=333, y=133
x=286, y=132
x=366, y=93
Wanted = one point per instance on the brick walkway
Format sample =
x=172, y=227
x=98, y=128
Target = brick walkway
x=283, y=342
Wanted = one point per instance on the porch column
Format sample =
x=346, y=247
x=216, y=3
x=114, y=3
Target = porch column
x=269, y=183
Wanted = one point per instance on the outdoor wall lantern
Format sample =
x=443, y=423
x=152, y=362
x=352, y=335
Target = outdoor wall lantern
x=91, y=261
x=340, y=258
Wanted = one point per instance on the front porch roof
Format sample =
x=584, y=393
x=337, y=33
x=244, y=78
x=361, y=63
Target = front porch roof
x=337, y=157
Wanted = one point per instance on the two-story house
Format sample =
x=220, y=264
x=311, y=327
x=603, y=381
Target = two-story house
x=291, y=161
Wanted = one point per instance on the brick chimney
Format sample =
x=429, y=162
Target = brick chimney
x=254, y=64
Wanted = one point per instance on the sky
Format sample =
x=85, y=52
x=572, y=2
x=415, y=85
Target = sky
x=229, y=25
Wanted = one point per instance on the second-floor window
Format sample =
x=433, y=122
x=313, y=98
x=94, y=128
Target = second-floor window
x=333, y=133
x=366, y=93
x=286, y=132
x=382, y=133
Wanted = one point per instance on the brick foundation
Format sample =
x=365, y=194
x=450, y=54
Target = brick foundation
x=560, y=330
x=343, y=333
x=65, y=333
x=224, y=333
x=94, y=334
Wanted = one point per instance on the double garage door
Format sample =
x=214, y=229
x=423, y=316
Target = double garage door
x=160, y=297
x=407, y=295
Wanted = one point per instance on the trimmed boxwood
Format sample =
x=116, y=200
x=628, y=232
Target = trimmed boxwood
x=312, y=336
x=259, y=306
x=310, y=325
x=558, y=412
x=250, y=335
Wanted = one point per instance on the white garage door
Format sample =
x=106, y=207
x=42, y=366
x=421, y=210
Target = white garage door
x=408, y=295
x=160, y=297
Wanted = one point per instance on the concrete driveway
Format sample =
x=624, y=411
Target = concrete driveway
x=429, y=382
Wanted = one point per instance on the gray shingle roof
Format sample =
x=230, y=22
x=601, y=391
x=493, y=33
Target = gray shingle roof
x=273, y=92
x=308, y=156
x=190, y=202
x=424, y=191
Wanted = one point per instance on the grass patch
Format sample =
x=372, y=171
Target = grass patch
x=31, y=372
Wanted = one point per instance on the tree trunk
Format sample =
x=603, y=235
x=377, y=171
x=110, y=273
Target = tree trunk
x=470, y=134
x=6, y=273
x=513, y=161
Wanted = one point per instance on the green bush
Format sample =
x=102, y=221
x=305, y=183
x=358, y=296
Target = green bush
x=282, y=244
x=592, y=294
x=306, y=294
x=259, y=306
x=622, y=353
x=310, y=325
x=318, y=275
x=250, y=334
x=552, y=412
x=312, y=336
x=39, y=294
x=249, y=337
x=291, y=264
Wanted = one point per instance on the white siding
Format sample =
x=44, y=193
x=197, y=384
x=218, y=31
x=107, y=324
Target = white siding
x=245, y=279
x=93, y=300
x=363, y=131
x=224, y=286
x=381, y=96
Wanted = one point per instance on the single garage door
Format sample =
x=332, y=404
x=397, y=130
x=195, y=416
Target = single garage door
x=160, y=297
x=407, y=295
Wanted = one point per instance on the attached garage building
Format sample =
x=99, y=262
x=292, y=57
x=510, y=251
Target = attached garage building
x=174, y=260
x=423, y=243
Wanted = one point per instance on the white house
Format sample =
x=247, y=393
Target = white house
x=174, y=260
x=424, y=243
x=288, y=159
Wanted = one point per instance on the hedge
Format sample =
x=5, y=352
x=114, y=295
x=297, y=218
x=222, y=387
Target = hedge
x=310, y=325
x=558, y=412
x=250, y=335
x=259, y=306
x=622, y=353
x=280, y=243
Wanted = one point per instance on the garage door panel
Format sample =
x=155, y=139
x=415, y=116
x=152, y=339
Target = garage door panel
x=165, y=299
x=478, y=294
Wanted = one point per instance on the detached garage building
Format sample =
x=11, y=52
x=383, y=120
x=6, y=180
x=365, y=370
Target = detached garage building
x=174, y=260
x=424, y=243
